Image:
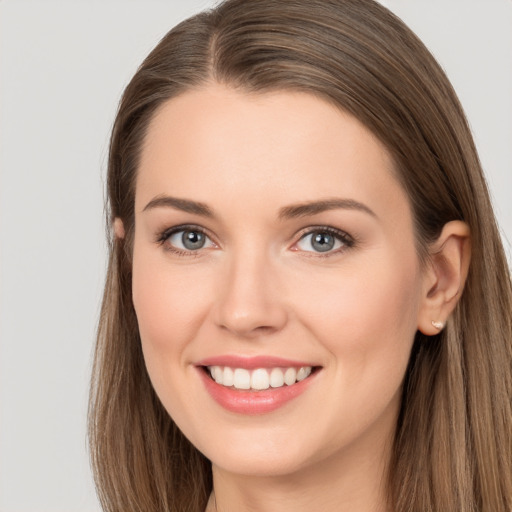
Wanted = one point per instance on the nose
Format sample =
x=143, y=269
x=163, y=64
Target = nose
x=250, y=302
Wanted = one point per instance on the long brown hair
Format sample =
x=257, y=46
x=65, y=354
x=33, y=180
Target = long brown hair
x=453, y=445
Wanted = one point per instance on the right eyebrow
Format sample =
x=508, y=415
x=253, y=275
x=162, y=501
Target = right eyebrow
x=315, y=207
x=185, y=205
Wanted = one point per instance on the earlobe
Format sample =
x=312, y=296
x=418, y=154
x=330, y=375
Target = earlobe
x=444, y=277
x=118, y=228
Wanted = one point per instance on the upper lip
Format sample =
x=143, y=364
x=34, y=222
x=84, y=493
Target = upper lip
x=252, y=362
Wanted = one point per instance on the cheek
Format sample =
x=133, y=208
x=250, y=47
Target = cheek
x=366, y=316
x=169, y=312
x=366, y=320
x=166, y=299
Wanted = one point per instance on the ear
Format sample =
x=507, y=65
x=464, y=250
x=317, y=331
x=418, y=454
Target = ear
x=118, y=228
x=444, y=276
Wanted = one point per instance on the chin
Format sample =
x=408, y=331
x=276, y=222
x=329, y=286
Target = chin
x=258, y=463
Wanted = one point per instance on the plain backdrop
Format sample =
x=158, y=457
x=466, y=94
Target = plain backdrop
x=63, y=67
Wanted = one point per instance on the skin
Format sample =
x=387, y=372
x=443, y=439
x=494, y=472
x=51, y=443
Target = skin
x=258, y=287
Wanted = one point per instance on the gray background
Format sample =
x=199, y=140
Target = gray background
x=63, y=67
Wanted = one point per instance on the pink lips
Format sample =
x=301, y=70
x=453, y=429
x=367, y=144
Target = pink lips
x=251, y=363
x=252, y=402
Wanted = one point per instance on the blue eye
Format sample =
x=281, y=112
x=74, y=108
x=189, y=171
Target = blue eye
x=188, y=240
x=322, y=241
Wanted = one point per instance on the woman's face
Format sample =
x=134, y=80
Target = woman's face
x=273, y=244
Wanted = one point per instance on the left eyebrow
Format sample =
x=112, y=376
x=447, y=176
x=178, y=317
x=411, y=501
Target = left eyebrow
x=185, y=205
x=315, y=207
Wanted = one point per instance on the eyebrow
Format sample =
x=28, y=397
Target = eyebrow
x=287, y=212
x=315, y=207
x=185, y=205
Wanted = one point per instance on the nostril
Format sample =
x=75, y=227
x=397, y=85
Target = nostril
x=243, y=330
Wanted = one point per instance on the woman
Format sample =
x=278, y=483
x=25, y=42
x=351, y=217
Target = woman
x=307, y=304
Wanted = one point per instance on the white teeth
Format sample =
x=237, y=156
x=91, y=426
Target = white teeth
x=229, y=377
x=290, y=376
x=218, y=374
x=242, y=379
x=303, y=372
x=259, y=379
x=276, y=378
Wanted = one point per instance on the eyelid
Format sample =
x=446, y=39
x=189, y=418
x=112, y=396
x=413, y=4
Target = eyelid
x=347, y=240
x=164, y=235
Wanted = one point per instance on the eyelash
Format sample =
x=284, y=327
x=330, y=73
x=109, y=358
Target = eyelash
x=164, y=236
x=347, y=240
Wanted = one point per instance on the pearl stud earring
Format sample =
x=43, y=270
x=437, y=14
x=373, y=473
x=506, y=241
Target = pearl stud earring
x=437, y=325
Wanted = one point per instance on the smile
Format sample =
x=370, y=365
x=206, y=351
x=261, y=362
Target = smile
x=258, y=379
x=256, y=384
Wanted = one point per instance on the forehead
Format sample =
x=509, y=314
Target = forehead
x=216, y=143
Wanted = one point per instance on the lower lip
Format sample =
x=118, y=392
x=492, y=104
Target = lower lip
x=253, y=402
